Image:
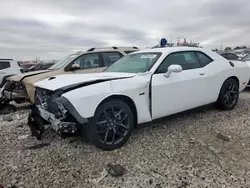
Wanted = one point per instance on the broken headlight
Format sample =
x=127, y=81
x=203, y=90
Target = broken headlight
x=50, y=101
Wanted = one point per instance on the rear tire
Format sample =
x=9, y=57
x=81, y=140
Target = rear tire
x=229, y=95
x=112, y=125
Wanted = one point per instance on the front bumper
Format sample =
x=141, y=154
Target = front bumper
x=39, y=117
x=57, y=124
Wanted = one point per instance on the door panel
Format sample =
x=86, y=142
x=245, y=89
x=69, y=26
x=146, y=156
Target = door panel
x=179, y=92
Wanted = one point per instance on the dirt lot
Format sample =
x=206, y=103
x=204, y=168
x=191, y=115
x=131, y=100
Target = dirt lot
x=201, y=148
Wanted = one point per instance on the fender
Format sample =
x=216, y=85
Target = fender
x=5, y=79
x=86, y=100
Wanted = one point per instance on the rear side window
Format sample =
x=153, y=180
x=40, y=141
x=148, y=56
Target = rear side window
x=4, y=65
x=203, y=59
x=110, y=57
x=224, y=55
x=232, y=57
x=187, y=60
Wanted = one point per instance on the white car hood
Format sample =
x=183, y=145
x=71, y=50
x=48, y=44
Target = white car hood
x=61, y=81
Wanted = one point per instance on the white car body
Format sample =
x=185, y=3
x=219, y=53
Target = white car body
x=154, y=95
x=9, y=68
x=247, y=60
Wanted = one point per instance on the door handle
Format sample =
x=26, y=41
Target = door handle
x=201, y=73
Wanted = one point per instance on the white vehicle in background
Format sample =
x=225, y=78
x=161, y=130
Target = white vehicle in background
x=247, y=60
x=8, y=67
x=241, y=53
x=138, y=88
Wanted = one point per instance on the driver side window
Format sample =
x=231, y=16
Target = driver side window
x=187, y=60
x=88, y=61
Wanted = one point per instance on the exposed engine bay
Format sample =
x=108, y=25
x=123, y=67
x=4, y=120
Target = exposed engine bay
x=49, y=109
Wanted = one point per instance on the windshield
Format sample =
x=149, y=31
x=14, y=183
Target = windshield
x=134, y=63
x=246, y=58
x=60, y=64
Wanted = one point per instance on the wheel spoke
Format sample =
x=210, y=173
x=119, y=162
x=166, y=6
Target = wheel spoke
x=119, y=134
x=122, y=125
x=114, y=133
x=105, y=113
x=101, y=131
x=106, y=135
x=232, y=88
x=113, y=111
x=119, y=113
x=102, y=122
x=125, y=117
x=226, y=98
x=230, y=101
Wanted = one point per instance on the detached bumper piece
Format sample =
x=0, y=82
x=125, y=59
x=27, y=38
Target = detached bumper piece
x=39, y=117
x=36, y=124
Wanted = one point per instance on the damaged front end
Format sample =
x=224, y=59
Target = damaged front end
x=51, y=108
x=13, y=91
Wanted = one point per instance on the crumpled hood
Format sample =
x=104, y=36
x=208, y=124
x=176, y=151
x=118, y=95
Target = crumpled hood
x=62, y=81
x=19, y=77
x=39, y=77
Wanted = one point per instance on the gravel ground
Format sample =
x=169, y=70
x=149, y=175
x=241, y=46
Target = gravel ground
x=181, y=151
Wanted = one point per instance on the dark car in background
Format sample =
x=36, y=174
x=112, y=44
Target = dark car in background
x=229, y=56
x=28, y=67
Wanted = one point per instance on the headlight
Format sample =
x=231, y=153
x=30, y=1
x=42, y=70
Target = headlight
x=41, y=97
x=18, y=86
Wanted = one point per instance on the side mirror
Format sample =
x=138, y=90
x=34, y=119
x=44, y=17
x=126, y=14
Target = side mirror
x=75, y=66
x=173, y=68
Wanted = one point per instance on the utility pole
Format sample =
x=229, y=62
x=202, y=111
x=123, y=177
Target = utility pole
x=221, y=44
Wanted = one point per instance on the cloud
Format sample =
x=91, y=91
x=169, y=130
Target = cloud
x=52, y=29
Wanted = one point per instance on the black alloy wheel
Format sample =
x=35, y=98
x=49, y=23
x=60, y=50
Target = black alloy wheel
x=112, y=125
x=229, y=94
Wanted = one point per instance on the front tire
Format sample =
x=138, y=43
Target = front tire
x=229, y=94
x=112, y=125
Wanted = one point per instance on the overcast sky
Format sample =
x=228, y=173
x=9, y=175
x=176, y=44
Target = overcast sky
x=52, y=29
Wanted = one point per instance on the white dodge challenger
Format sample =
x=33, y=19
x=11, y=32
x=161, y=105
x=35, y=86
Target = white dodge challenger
x=139, y=88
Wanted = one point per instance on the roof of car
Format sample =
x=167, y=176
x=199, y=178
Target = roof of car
x=171, y=49
x=1, y=59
